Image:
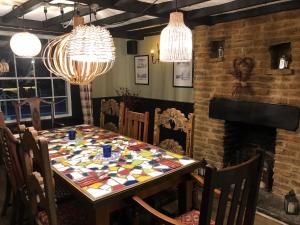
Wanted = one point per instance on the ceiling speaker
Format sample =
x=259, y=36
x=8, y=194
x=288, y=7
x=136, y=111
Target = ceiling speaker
x=132, y=47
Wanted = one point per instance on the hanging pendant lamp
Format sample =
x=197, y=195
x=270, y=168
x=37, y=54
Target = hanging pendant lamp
x=91, y=44
x=25, y=44
x=58, y=62
x=176, y=41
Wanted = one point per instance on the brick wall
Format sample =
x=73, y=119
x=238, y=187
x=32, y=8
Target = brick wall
x=249, y=38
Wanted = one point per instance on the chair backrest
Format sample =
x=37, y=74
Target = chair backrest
x=40, y=184
x=174, y=120
x=2, y=119
x=34, y=104
x=9, y=155
x=241, y=183
x=136, y=125
x=111, y=108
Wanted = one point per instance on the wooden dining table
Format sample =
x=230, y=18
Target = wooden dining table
x=104, y=183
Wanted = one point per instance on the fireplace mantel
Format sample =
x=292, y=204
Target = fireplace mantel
x=271, y=115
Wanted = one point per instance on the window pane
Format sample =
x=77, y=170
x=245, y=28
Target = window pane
x=8, y=110
x=24, y=67
x=46, y=108
x=61, y=106
x=40, y=69
x=8, y=89
x=25, y=111
x=44, y=87
x=26, y=88
x=59, y=87
x=7, y=63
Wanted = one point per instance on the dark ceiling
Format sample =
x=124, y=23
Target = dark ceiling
x=230, y=10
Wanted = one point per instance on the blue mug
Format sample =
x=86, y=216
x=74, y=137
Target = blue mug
x=106, y=151
x=72, y=134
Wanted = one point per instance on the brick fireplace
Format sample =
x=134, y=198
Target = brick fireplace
x=253, y=37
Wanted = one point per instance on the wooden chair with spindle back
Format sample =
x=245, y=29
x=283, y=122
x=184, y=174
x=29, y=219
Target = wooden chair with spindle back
x=111, y=108
x=136, y=125
x=9, y=156
x=238, y=184
x=173, y=120
x=34, y=104
x=44, y=208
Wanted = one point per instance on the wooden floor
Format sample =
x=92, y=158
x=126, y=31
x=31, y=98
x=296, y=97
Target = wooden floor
x=259, y=219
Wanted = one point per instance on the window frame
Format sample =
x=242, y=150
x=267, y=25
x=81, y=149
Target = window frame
x=51, y=77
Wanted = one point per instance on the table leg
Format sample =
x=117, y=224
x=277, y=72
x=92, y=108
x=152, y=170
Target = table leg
x=102, y=216
x=185, y=194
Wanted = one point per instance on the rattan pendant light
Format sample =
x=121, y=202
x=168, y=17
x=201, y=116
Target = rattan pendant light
x=176, y=40
x=58, y=62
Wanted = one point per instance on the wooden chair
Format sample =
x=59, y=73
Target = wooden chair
x=111, y=109
x=41, y=187
x=173, y=120
x=136, y=125
x=9, y=155
x=240, y=182
x=34, y=104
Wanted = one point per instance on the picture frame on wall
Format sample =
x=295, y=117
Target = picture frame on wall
x=183, y=73
x=141, y=69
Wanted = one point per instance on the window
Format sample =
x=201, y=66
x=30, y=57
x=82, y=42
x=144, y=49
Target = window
x=28, y=77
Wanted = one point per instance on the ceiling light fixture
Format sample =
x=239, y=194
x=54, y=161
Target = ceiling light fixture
x=58, y=62
x=25, y=44
x=176, y=40
x=90, y=43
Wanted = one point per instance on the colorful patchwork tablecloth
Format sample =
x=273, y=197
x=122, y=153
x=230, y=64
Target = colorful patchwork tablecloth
x=132, y=162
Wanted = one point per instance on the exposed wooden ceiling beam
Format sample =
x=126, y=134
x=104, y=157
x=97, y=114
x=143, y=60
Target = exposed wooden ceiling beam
x=32, y=25
x=141, y=24
x=168, y=7
x=116, y=19
x=68, y=16
x=264, y=10
x=147, y=31
x=235, y=5
x=21, y=10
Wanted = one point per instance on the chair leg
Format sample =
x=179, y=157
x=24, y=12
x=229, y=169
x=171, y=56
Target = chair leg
x=7, y=198
x=14, y=214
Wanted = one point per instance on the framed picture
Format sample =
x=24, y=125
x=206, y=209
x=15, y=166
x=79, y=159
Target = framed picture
x=141, y=69
x=183, y=74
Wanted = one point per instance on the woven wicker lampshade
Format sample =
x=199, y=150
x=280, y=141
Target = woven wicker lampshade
x=58, y=62
x=176, y=41
x=91, y=43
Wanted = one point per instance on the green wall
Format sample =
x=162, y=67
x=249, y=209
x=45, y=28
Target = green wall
x=122, y=75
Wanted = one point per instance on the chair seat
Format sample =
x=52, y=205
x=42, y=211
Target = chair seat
x=71, y=213
x=191, y=218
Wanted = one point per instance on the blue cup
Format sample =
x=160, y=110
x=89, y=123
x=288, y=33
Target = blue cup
x=72, y=134
x=106, y=151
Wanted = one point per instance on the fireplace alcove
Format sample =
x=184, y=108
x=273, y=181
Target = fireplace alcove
x=251, y=126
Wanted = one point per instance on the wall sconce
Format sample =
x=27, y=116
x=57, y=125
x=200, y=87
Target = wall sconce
x=154, y=61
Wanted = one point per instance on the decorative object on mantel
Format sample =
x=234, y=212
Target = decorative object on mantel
x=4, y=67
x=59, y=63
x=291, y=203
x=154, y=61
x=242, y=70
x=176, y=40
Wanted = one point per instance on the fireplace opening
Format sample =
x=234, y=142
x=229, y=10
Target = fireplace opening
x=242, y=140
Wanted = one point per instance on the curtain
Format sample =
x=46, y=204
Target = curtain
x=86, y=103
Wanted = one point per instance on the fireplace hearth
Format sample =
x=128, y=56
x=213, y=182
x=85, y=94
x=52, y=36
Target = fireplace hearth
x=242, y=141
